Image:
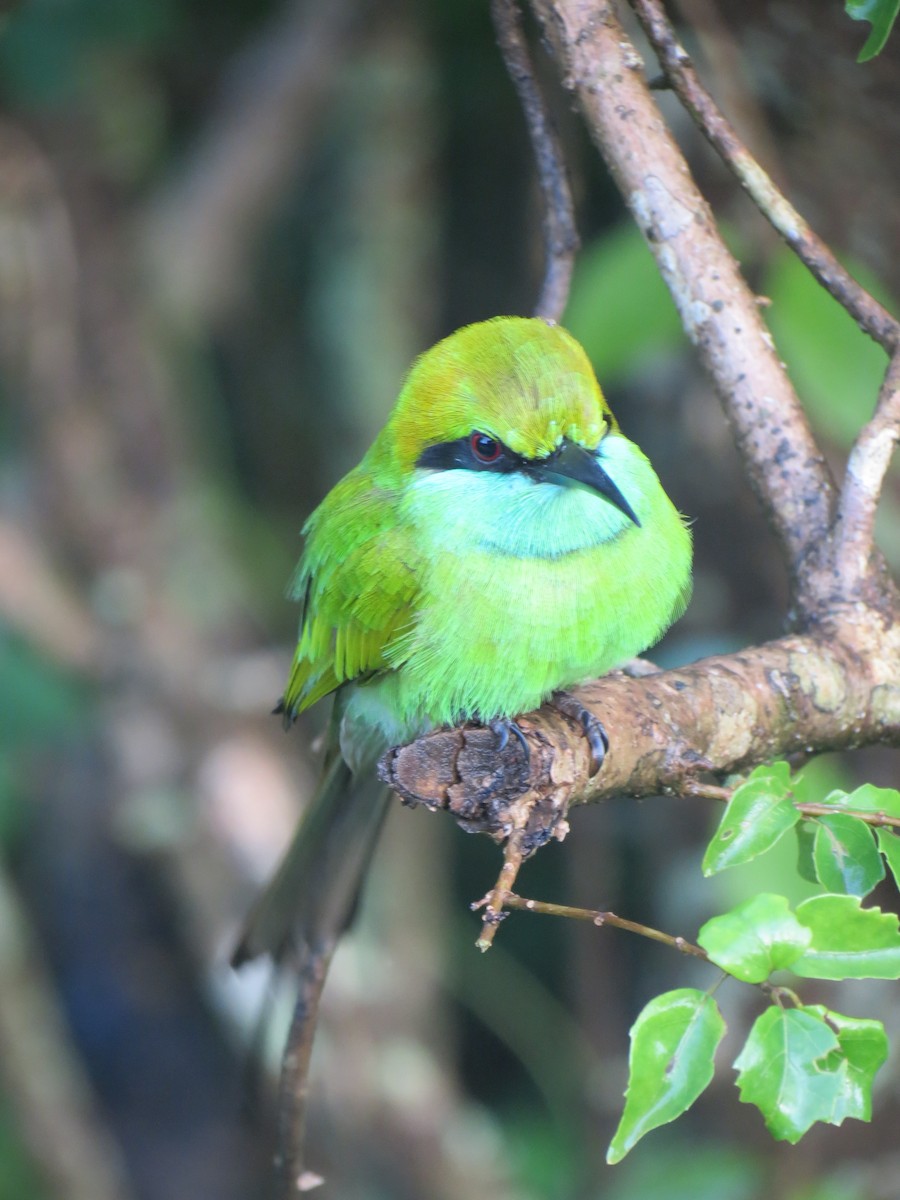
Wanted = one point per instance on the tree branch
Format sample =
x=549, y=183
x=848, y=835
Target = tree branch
x=560, y=235
x=599, y=918
x=866, y=468
x=722, y=795
x=293, y=1177
x=877, y=322
x=877, y=820
x=718, y=310
x=852, y=552
x=720, y=715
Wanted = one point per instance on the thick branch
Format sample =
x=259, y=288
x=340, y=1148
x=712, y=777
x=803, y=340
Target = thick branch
x=560, y=234
x=719, y=312
x=776, y=208
x=723, y=714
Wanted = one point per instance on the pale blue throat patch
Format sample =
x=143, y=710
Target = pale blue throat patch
x=512, y=514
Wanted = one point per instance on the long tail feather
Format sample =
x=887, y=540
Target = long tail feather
x=312, y=897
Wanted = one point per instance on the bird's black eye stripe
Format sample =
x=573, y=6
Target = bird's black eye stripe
x=475, y=452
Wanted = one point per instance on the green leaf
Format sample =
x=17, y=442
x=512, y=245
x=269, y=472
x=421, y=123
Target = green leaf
x=673, y=1046
x=806, y=840
x=758, y=937
x=809, y=1064
x=781, y=1070
x=863, y=1048
x=868, y=799
x=620, y=309
x=757, y=815
x=881, y=15
x=889, y=845
x=845, y=855
x=848, y=941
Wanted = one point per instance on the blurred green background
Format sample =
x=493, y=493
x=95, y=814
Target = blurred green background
x=225, y=231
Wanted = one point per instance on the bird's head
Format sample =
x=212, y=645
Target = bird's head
x=509, y=395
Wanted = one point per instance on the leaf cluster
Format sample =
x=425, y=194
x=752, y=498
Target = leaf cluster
x=801, y=1063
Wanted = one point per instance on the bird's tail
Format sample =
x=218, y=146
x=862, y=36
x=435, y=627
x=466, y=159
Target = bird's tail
x=313, y=894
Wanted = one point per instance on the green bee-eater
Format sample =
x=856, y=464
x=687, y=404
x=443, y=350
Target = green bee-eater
x=501, y=540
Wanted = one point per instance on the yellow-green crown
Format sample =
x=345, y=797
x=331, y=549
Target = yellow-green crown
x=517, y=379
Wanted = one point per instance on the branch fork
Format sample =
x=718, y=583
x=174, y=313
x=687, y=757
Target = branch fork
x=834, y=683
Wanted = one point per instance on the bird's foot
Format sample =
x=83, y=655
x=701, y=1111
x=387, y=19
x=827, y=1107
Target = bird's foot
x=592, y=726
x=501, y=728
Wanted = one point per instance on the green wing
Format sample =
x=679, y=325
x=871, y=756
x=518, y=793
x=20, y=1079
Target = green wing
x=357, y=583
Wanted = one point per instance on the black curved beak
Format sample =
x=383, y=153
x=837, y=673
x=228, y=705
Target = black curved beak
x=573, y=466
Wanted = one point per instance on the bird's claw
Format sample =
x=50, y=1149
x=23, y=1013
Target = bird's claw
x=597, y=737
x=501, y=728
x=591, y=726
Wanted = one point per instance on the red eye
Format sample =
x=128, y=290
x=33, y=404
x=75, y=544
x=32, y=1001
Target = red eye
x=486, y=449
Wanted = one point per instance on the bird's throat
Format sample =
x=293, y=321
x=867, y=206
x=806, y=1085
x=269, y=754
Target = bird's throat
x=512, y=515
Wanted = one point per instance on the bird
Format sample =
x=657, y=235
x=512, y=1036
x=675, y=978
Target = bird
x=500, y=542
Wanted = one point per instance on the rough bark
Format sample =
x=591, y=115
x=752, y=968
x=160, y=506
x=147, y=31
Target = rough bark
x=794, y=696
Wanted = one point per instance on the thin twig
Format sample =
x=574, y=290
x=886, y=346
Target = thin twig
x=596, y=917
x=710, y=791
x=293, y=1177
x=866, y=467
x=560, y=235
x=706, y=791
x=719, y=41
x=494, y=902
x=877, y=819
x=810, y=249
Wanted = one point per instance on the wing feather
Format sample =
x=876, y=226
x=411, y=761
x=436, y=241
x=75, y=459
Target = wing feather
x=357, y=579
